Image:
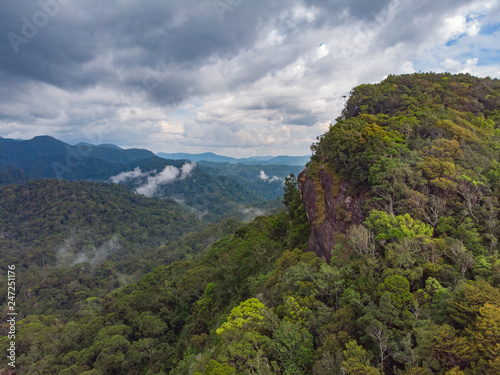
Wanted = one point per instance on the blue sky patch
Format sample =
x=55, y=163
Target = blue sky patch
x=488, y=57
x=489, y=29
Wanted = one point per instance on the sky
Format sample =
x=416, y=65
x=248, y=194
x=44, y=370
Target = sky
x=235, y=77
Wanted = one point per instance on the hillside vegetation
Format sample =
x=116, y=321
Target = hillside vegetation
x=74, y=240
x=412, y=290
x=214, y=191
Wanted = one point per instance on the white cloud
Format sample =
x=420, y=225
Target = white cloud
x=167, y=176
x=322, y=51
x=451, y=65
x=130, y=175
x=150, y=188
x=186, y=170
x=170, y=128
x=454, y=66
x=264, y=176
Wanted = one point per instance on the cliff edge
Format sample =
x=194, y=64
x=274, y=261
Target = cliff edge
x=330, y=207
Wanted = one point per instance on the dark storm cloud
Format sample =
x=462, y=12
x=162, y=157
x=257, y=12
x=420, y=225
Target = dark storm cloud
x=146, y=33
x=137, y=34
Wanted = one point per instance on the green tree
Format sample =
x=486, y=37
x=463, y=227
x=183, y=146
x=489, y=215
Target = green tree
x=398, y=288
x=292, y=344
x=299, y=225
x=357, y=360
x=388, y=227
x=216, y=368
x=247, y=316
x=469, y=297
x=484, y=335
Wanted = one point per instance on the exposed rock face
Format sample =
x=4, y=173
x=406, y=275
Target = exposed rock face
x=330, y=210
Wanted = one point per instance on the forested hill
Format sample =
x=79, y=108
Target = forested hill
x=73, y=240
x=423, y=145
x=47, y=157
x=215, y=191
x=399, y=210
x=41, y=214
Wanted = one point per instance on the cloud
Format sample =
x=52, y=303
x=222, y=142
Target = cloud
x=99, y=254
x=322, y=51
x=265, y=79
x=67, y=252
x=171, y=130
x=263, y=176
x=454, y=66
x=186, y=170
x=250, y=213
x=131, y=175
x=167, y=176
x=150, y=188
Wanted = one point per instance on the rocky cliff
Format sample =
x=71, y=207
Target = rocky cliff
x=331, y=209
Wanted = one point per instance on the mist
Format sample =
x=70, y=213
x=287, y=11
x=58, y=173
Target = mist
x=72, y=251
x=130, y=175
x=265, y=177
x=168, y=175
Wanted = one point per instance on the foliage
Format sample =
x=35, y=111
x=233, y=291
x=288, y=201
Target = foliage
x=402, y=226
x=412, y=288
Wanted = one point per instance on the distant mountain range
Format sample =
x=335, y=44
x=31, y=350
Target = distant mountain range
x=43, y=146
x=254, y=160
x=47, y=157
x=15, y=150
x=218, y=188
x=105, y=145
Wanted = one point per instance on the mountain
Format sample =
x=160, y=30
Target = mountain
x=288, y=160
x=47, y=157
x=103, y=230
x=418, y=145
x=12, y=151
x=385, y=260
x=254, y=160
x=212, y=196
x=266, y=181
x=212, y=192
x=105, y=145
x=2, y=139
x=208, y=156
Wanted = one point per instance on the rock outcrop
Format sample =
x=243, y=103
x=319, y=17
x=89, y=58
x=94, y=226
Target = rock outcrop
x=330, y=209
